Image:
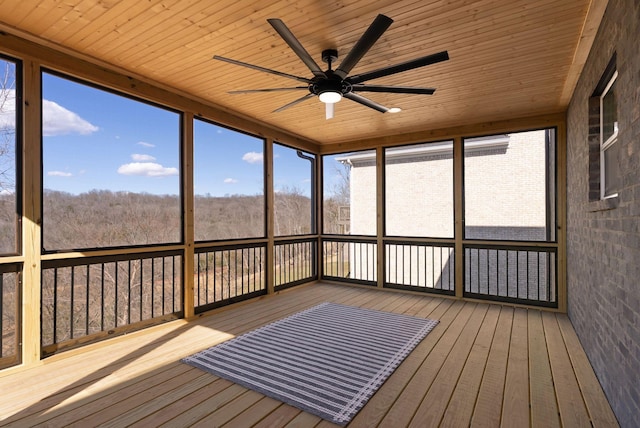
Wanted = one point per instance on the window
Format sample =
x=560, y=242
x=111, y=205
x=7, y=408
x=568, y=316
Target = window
x=604, y=151
x=349, y=193
x=111, y=168
x=9, y=204
x=293, y=185
x=419, y=190
x=10, y=301
x=509, y=186
x=228, y=183
x=609, y=174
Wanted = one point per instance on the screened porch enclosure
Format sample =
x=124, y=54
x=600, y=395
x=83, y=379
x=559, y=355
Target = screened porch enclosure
x=241, y=216
x=507, y=249
x=194, y=210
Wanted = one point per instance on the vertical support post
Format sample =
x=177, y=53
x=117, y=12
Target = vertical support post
x=319, y=176
x=561, y=214
x=380, y=262
x=458, y=214
x=270, y=215
x=188, y=234
x=32, y=213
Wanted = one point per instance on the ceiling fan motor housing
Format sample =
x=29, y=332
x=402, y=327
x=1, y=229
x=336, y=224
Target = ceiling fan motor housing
x=329, y=56
x=333, y=83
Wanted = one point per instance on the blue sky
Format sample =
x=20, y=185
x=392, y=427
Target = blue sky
x=94, y=139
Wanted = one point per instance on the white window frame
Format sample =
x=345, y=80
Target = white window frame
x=606, y=144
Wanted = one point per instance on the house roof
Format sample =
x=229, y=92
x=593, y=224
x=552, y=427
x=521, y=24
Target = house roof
x=508, y=58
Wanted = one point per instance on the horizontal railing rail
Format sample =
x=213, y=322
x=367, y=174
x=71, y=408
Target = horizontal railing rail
x=294, y=261
x=420, y=266
x=10, y=274
x=90, y=298
x=350, y=259
x=229, y=273
x=512, y=273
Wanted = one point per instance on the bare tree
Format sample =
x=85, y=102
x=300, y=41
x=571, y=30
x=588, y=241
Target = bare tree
x=337, y=205
x=7, y=127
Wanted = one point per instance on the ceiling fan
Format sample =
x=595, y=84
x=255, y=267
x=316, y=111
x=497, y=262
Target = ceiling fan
x=332, y=85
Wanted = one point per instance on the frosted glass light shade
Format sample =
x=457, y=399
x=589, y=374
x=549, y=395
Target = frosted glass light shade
x=330, y=97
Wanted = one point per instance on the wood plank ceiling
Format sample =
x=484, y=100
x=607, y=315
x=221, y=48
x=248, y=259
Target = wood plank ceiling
x=508, y=58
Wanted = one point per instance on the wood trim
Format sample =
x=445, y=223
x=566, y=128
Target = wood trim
x=103, y=74
x=32, y=213
x=479, y=129
x=111, y=252
x=587, y=36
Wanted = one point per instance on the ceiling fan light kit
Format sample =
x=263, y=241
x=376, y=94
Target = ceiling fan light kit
x=330, y=97
x=330, y=86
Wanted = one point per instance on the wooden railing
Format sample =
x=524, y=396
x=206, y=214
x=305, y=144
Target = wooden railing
x=350, y=259
x=9, y=314
x=512, y=273
x=420, y=266
x=228, y=274
x=88, y=298
x=295, y=262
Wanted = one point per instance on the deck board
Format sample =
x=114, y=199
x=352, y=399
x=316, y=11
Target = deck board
x=483, y=364
x=460, y=407
x=544, y=407
x=573, y=412
x=434, y=404
x=488, y=408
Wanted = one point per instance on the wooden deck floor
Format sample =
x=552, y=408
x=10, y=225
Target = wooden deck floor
x=483, y=365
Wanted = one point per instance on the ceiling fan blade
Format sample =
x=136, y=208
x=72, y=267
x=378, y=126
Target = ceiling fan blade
x=366, y=102
x=294, y=102
x=393, y=89
x=362, y=46
x=251, y=91
x=257, y=67
x=399, y=68
x=296, y=46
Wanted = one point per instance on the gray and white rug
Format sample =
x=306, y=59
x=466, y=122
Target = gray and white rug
x=327, y=360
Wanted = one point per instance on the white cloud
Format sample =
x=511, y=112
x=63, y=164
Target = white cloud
x=59, y=174
x=252, y=157
x=5, y=192
x=57, y=120
x=143, y=144
x=147, y=169
x=230, y=180
x=142, y=158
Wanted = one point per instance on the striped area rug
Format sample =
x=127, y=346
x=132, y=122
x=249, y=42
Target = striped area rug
x=327, y=360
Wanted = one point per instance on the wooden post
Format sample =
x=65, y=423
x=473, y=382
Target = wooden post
x=319, y=206
x=561, y=214
x=32, y=214
x=269, y=202
x=187, y=215
x=458, y=214
x=380, y=259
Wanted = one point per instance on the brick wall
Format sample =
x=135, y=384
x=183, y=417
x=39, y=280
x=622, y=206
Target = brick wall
x=603, y=237
x=504, y=191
